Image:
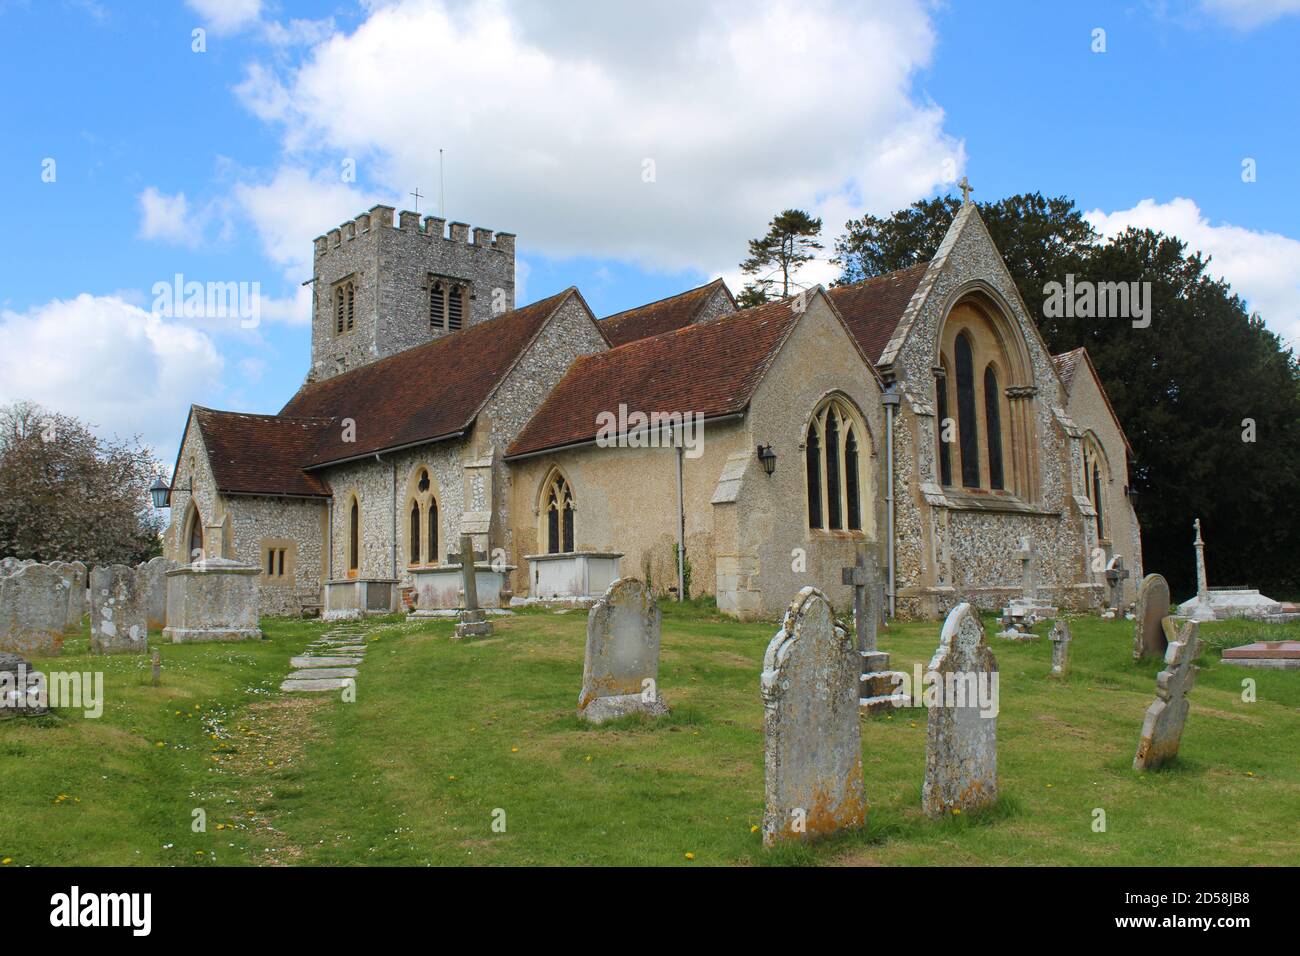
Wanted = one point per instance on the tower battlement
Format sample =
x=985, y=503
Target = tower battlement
x=382, y=286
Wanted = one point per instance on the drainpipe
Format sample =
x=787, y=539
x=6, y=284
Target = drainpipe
x=890, y=401
x=329, y=538
x=681, y=526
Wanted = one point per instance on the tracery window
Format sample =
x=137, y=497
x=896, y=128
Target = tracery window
x=557, y=509
x=833, y=467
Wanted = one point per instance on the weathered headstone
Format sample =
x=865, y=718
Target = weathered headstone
x=812, y=734
x=961, y=748
x=119, y=622
x=33, y=610
x=1060, y=638
x=472, y=621
x=153, y=575
x=1152, y=609
x=75, y=584
x=22, y=689
x=620, y=674
x=1162, y=730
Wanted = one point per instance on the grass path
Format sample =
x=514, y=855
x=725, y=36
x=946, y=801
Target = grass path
x=448, y=742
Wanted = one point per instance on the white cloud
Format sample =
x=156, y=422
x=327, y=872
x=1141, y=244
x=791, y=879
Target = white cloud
x=227, y=16
x=1262, y=267
x=549, y=114
x=167, y=218
x=1249, y=14
x=109, y=363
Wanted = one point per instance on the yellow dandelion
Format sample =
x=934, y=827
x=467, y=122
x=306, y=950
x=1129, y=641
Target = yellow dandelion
x=1250, y=773
x=160, y=744
x=451, y=776
x=588, y=758
x=754, y=828
x=514, y=750
x=690, y=856
x=956, y=811
x=6, y=861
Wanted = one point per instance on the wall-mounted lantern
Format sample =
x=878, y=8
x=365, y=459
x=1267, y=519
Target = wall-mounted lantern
x=159, y=491
x=767, y=458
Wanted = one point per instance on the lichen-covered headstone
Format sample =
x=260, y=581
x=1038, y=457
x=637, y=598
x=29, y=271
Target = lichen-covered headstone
x=1060, y=638
x=961, y=747
x=33, y=611
x=119, y=622
x=1162, y=730
x=812, y=735
x=153, y=576
x=1152, y=609
x=75, y=586
x=620, y=674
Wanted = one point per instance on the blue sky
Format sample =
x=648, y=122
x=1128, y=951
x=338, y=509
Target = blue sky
x=221, y=165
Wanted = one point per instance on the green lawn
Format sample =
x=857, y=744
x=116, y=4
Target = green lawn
x=445, y=736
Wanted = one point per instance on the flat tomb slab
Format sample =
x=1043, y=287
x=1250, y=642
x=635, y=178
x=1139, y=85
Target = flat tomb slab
x=316, y=686
x=323, y=673
x=301, y=662
x=1277, y=650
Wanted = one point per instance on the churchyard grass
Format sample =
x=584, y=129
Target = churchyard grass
x=446, y=738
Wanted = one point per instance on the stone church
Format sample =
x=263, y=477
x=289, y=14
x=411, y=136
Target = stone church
x=918, y=414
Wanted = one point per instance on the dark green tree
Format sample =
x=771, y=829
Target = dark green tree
x=774, y=258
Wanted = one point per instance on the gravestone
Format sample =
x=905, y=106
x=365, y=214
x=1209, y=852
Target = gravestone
x=1162, y=730
x=1060, y=638
x=22, y=689
x=153, y=575
x=877, y=683
x=472, y=621
x=75, y=582
x=961, y=756
x=812, y=735
x=33, y=611
x=119, y=622
x=620, y=674
x=1152, y=609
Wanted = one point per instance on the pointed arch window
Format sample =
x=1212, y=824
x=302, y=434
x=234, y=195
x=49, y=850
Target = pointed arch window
x=941, y=405
x=1096, y=477
x=558, y=505
x=433, y=530
x=415, y=532
x=354, y=537
x=194, y=534
x=993, y=425
x=437, y=305
x=833, y=463
x=345, y=307
x=455, y=307
x=1096, y=501
x=967, y=427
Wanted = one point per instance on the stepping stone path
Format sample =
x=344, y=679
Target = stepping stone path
x=330, y=663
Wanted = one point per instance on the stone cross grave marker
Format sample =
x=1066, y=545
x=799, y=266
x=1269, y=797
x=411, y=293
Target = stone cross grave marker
x=961, y=747
x=620, y=673
x=864, y=578
x=472, y=621
x=812, y=737
x=1152, y=608
x=1162, y=730
x=1060, y=638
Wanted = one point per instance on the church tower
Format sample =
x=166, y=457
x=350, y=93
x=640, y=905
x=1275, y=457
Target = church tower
x=381, y=288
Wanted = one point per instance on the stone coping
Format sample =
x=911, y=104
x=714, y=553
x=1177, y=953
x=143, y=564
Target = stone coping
x=362, y=580
x=485, y=566
x=215, y=566
x=958, y=501
x=573, y=554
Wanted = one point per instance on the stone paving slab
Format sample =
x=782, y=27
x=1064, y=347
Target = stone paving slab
x=316, y=686
x=344, y=649
x=323, y=673
x=301, y=662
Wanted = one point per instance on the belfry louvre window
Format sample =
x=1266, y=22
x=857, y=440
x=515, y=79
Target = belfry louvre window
x=833, y=466
x=447, y=304
x=345, y=307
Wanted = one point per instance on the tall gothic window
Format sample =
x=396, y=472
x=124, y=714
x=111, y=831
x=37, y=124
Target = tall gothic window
x=433, y=530
x=558, y=506
x=345, y=307
x=415, y=532
x=1096, y=500
x=1095, y=479
x=833, y=463
x=968, y=429
x=195, y=535
x=354, y=537
x=993, y=425
x=941, y=403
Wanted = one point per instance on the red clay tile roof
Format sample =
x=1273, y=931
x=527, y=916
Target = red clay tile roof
x=873, y=307
x=711, y=368
x=430, y=391
x=261, y=454
x=656, y=318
